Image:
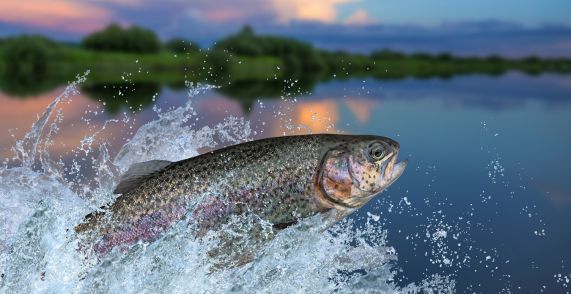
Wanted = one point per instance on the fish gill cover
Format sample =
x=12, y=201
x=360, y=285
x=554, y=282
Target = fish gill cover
x=43, y=198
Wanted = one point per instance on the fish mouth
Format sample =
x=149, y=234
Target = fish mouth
x=398, y=170
x=393, y=170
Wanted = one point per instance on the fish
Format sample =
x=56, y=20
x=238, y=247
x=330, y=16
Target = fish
x=280, y=180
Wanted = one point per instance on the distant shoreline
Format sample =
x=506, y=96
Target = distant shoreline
x=31, y=64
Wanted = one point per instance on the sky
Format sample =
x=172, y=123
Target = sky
x=356, y=25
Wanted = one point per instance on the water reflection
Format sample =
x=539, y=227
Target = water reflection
x=115, y=96
x=247, y=92
x=362, y=108
x=310, y=117
x=505, y=92
x=19, y=87
x=80, y=117
x=317, y=111
x=277, y=117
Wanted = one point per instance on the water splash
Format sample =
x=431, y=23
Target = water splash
x=27, y=149
x=42, y=201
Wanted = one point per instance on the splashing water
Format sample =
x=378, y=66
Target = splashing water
x=43, y=199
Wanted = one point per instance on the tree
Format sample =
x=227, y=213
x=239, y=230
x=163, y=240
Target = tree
x=115, y=38
x=295, y=54
x=29, y=55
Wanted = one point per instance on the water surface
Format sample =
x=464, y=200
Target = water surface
x=485, y=202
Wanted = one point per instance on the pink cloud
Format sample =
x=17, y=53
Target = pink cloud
x=223, y=15
x=563, y=45
x=67, y=15
x=315, y=10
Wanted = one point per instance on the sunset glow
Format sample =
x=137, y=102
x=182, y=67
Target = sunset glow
x=317, y=117
x=317, y=10
x=59, y=14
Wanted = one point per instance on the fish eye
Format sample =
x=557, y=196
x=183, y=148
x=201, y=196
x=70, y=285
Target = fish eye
x=376, y=152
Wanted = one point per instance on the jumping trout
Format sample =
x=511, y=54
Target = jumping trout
x=281, y=180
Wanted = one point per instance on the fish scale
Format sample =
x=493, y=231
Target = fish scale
x=280, y=180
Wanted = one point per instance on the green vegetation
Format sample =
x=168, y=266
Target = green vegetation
x=296, y=55
x=25, y=60
x=116, y=38
x=28, y=55
x=247, y=66
x=181, y=46
x=445, y=66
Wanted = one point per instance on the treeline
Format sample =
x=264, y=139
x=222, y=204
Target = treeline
x=294, y=54
x=116, y=38
x=31, y=60
x=30, y=56
x=299, y=56
x=246, y=65
x=135, y=40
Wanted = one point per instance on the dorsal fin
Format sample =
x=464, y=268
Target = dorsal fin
x=137, y=173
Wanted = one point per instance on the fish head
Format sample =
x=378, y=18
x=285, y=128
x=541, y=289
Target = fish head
x=356, y=170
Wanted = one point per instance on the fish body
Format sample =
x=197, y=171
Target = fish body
x=280, y=180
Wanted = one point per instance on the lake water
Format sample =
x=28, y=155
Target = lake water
x=485, y=201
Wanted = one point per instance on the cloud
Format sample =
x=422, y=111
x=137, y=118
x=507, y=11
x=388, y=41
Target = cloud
x=272, y=11
x=315, y=10
x=65, y=15
x=359, y=17
x=320, y=22
x=227, y=11
x=224, y=15
x=461, y=38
